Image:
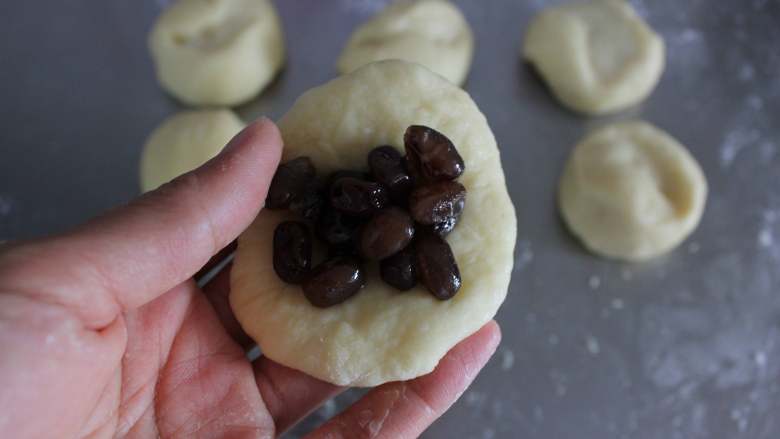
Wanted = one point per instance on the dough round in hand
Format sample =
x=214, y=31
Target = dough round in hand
x=597, y=57
x=380, y=334
x=183, y=142
x=429, y=32
x=630, y=191
x=217, y=52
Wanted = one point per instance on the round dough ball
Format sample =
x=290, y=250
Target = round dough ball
x=429, y=32
x=630, y=191
x=381, y=334
x=217, y=52
x=183, y=142
x=597, y=57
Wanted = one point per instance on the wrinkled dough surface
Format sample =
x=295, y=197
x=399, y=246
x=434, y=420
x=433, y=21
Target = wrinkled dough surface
x=433, y=33
x=597, y=57
x=217, y=52
x=381, y=334
x=183, y=142
x=630, y=191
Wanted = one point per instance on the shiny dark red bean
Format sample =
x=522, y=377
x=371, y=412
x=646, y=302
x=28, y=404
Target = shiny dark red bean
x=337, y=228
x=442, y=228
x=399, y=270
x=432, y=154
x=347, y=173
x=334, y=281
x=357, y=197
x=292, y=251
x=347, y=249
x=386, y=233
x=388, y=169
x=436, y=266
x=310, y=202
x=439, y=202
x=289, y=182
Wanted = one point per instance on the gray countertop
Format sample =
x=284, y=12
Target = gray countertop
x=685, y=346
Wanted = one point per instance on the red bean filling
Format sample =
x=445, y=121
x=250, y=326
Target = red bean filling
x=292, y=251
x=400, y=270
x=387, y=233
x=398, y=215
x=334, y=281
x=290, y=182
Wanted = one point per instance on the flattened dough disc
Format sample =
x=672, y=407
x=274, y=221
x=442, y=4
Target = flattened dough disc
x=381, y=334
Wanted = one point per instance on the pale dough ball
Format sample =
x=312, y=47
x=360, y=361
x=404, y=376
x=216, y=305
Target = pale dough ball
x=217, y=52
x=429, y=32
x=630, y=191
x=597, y=57
x=380, y=334
x=183, y=142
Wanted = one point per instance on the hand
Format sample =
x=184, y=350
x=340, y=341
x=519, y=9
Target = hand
x=103, y=332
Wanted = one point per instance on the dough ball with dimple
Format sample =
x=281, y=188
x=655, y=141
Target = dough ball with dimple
x=217, y=52
x=185, y=141
x=630, y=191
x=597, y=57
x=433, y=33
x=380, y=334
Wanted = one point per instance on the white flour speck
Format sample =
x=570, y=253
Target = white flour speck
x=626, y=274
x=617, y=303
x=740, y=417
x=475, y=399
x=760, y=358
x=765, y=238
x=507, y=359
x=594, y=282
x=553, y=339
x=592, y=344
x=694, y=248
x=688, y=36
x=525, y=254
x=747, y=72
x=538, y=414
x=755, y=102
x=559, y=381
x=735, y=142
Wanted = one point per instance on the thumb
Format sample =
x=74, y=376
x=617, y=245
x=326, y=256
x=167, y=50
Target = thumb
x=135, y=253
